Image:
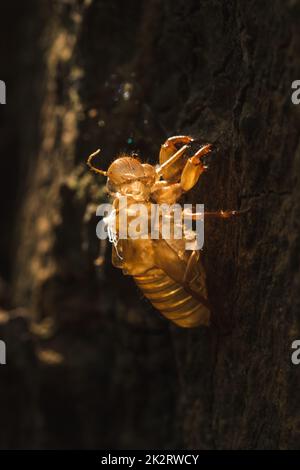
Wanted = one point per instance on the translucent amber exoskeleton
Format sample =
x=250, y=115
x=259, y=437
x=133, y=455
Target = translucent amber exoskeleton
x=171, y=277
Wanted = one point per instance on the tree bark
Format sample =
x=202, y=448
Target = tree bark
x=107, y=370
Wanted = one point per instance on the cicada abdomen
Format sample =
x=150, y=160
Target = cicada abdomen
x=179, y=305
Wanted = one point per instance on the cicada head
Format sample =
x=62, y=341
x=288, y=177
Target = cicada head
x=127, y=176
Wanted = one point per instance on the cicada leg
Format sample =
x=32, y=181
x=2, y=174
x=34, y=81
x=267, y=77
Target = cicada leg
x=215, y=214
x=167, y=150
x=169, y=147
x=194, y=168
x=190, y=273
x=181, y=271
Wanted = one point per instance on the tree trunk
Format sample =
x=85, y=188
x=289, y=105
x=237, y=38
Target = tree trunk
x=97, y=364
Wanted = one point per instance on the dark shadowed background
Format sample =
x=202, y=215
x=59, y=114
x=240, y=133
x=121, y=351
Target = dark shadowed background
x=90, y=364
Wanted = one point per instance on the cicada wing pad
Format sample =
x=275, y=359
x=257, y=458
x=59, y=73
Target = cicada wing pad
x=194, y=274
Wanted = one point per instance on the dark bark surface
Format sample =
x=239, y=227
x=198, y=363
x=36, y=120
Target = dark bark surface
x=90, y=362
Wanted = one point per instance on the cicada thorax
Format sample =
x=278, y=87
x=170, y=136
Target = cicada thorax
x=172, y=299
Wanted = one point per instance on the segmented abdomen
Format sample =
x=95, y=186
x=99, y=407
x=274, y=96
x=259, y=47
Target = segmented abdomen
x=172, y=300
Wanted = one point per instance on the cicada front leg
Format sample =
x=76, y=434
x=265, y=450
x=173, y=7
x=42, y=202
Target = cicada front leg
x=167, y=150
x=194, y=168
x=169, y=147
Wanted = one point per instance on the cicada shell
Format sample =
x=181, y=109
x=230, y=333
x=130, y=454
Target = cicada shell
x=168, y=274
